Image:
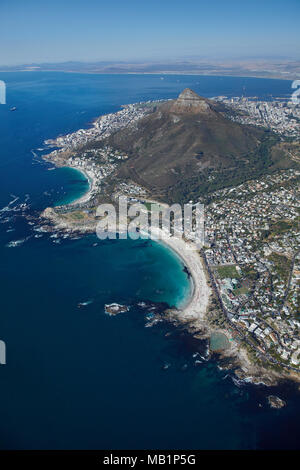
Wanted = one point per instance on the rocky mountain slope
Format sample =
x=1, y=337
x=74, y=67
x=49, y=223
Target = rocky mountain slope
x=188, y=143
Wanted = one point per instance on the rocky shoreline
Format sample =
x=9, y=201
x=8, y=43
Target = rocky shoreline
x=194, y=315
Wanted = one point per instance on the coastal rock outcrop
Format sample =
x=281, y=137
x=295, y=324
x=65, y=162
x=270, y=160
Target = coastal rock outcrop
x=114, y=309
x=276, y=402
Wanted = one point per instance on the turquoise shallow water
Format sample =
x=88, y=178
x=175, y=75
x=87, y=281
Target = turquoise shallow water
x=77, y=185
x=75, y=377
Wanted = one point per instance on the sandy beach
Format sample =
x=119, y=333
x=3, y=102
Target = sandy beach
x=90, y=176
x=197, y=304
x=194, y=311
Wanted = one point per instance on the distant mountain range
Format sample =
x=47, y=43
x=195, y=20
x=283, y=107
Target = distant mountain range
x=267, y=68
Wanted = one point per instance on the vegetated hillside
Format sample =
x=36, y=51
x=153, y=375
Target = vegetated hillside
x=188, y=147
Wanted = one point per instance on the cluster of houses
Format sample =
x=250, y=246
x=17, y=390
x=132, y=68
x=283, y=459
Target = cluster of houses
x=252, y=244
x=283, y=117
x=102, y=127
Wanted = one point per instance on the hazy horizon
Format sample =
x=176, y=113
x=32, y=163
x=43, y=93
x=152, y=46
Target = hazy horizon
x=161, y=60
x=74, y=31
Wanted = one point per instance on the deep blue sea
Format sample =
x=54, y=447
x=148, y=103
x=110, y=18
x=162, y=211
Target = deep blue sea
x=77, y=378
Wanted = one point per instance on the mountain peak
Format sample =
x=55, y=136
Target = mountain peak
x=188, y=94
x=189, y=101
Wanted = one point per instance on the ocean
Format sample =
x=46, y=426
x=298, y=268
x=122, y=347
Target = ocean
x=77, y=378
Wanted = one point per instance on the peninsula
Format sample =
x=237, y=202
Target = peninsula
x=240, y=158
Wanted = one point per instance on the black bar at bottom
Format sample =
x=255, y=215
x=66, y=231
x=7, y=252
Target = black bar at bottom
x=133, y=459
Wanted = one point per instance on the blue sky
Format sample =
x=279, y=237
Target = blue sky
x=90, y=30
